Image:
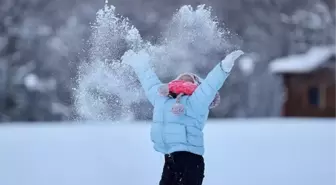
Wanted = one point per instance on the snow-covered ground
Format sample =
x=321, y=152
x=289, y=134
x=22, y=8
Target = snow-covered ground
x=238, y=152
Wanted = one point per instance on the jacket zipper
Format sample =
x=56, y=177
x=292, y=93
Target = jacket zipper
x=164, y=124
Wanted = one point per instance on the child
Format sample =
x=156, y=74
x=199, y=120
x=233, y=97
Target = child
x=180, y=111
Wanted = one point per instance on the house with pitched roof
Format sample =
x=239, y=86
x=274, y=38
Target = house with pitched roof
x=309, y=82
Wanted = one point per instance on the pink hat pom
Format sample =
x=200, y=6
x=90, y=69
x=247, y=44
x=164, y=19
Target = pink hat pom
x=164, y=90
x=215, y=102
x=178, y=109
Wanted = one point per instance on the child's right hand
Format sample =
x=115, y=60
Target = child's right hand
x=135, y=59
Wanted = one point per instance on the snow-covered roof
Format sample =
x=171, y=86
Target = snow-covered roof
x=303, y=63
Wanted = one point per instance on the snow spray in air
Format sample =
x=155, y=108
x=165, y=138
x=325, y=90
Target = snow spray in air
x=107, y=88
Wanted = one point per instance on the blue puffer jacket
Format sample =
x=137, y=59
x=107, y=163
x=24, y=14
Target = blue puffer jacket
x=171, y=132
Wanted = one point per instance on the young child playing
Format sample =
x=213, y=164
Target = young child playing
x=181, y=109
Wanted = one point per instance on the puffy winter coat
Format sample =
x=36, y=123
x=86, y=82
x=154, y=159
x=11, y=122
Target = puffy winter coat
x=184, y=132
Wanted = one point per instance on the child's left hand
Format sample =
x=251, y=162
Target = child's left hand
x=228, y=62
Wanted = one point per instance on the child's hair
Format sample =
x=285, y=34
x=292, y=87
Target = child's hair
x=172, y=95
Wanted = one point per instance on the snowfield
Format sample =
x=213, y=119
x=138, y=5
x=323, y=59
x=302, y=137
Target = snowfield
x=238, y=152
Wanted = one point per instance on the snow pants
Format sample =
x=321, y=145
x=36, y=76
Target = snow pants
x=183, y=168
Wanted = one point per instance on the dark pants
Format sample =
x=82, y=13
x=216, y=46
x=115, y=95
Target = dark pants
x=183, y=168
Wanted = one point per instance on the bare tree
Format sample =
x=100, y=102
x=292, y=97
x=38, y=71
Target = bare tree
x=40, y=42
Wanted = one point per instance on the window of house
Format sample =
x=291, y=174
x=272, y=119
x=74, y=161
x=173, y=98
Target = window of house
x=316, y=96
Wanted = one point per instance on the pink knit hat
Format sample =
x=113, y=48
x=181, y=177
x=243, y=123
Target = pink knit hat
x=178, y=108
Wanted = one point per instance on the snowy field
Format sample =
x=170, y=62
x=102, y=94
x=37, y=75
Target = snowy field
x=239, y=152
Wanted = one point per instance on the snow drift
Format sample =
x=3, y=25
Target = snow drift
x=238, y=152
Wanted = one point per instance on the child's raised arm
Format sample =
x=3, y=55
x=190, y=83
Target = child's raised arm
x=149, y=81
x=206, y=91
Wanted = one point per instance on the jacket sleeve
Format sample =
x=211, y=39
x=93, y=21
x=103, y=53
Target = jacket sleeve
x=206, y=91
x=148, y=80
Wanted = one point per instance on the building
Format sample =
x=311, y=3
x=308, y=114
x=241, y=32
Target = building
x=309, y=82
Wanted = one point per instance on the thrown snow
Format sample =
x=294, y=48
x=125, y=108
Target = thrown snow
x=188, y=40
x=238, y=152
x=247, y=65
x=302, y=63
